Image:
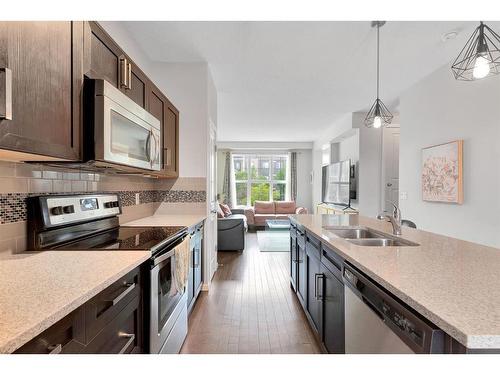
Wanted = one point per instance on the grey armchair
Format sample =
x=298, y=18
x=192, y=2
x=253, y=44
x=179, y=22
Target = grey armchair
x=231, y=231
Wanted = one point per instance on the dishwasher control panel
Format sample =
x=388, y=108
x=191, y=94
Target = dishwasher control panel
x=403, y=323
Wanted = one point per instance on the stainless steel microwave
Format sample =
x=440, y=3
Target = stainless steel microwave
x=118, y=132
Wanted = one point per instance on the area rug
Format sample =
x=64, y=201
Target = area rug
x=276, y=241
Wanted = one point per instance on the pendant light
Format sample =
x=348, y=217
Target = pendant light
x=480, y=56
x=378, y=115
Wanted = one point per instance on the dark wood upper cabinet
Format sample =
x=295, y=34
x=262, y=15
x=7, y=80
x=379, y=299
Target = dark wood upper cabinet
x=106, y=60
x=45, y=61
x=165, y=111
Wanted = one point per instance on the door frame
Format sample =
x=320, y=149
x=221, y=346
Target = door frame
x=392, y=128
x=210, y=264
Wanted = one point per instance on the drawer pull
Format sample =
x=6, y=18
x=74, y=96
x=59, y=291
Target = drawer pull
x=130, y=287
x=131, y=339
x=5, y=94
x=55, y=349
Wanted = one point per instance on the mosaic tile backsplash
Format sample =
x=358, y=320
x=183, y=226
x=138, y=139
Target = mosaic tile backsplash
x=13, y=206
x=19, y=181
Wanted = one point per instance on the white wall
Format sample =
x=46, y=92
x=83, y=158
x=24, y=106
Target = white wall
x=304, y=185
x=186, y=87
x=440, y=109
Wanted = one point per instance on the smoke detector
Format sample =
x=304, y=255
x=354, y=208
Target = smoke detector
x=449, y=35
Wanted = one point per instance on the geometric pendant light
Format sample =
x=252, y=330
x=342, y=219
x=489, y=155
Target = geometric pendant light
x=480, y=57
x=378, y=115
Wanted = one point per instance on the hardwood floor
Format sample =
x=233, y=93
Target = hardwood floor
x=250, y=307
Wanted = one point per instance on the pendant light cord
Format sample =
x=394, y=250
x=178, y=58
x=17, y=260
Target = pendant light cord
x=378, y=57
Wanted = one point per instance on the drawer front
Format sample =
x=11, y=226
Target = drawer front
x=64, y=337
x=123, y=335
x=104, y=307
x=313, y=246
x=332, y=261
x=301, y=237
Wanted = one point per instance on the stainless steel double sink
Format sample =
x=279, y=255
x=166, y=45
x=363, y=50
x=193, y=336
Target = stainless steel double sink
x=364, y=236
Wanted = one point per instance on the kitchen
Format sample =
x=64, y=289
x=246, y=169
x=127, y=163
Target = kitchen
x=122, y=166
x=108, y=227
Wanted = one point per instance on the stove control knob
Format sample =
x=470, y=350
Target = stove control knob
x=58, y=210
x=108, y=205
x=69, y=209
x=116, y=204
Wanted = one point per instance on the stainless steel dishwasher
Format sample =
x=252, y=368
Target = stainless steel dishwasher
x=376, y=322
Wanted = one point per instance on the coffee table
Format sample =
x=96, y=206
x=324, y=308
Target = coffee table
x=283, y=224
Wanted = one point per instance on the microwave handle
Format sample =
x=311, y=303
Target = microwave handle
x=154, y=148
x=148, y=145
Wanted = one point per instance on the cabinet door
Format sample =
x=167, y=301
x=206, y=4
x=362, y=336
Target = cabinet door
x=293, y=262
x=171, y=141
x=103, y=56
x=45, y=61
x=106, y=60
x=313, y=291
x=301, y=275
x=197, y=264
x=136, y=89
x=160, y=107
x=333, y=312
x=190, y=284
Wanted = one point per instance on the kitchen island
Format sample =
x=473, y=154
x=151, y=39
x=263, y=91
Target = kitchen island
x=452, y=283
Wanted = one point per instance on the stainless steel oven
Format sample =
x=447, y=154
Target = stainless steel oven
x=120, y=132
x=168, y=305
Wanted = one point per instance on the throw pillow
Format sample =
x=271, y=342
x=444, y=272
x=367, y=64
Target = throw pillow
x=226, y=209
x=220, y=213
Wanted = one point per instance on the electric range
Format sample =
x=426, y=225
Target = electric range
x=90, y=222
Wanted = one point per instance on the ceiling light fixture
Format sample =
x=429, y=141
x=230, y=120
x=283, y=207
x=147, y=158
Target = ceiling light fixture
x=480, y=56
x=378, y=115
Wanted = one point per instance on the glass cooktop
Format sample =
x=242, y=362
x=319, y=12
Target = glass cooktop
x=126, y=238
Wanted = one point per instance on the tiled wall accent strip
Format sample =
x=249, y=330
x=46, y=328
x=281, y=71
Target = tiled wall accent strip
x=185, y=196
x=13, y=206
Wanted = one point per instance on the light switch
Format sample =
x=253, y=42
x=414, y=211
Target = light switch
x=137, y=198
x=403, y=195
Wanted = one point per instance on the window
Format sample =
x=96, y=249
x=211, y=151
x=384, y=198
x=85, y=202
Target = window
x=260, y=178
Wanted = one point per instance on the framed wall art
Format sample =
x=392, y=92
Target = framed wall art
x=442, y=175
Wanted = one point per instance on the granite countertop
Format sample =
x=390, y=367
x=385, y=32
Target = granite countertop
x=39, y=289
x=453, y=283
x=166, y=220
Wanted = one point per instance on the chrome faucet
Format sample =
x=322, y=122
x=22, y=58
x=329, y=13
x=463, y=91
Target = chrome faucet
x=394, y=219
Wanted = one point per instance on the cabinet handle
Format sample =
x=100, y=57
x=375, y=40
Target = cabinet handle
x=131, y=339
x=55, y=349
x=317, y=277
x=167, y=159
x=130, y=287
x=5, y=94
x=123, y=73
x=129, y=72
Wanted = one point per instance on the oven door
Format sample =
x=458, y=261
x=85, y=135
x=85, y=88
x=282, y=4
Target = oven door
x=166, y=300
x=125, y=133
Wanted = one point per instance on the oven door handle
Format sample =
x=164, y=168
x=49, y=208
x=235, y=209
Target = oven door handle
x=162, y=257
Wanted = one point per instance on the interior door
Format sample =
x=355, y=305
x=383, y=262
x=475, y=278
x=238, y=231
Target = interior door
x=390, y=169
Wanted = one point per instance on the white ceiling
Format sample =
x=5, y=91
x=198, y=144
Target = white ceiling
x=286, y=81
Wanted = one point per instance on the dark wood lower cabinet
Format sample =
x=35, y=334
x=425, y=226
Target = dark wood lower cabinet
x=293, y=260
x=195, y=280
x=332, y=311
x=316, y=277
x=314, y=301
x=110, y=323
x=301, y=273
